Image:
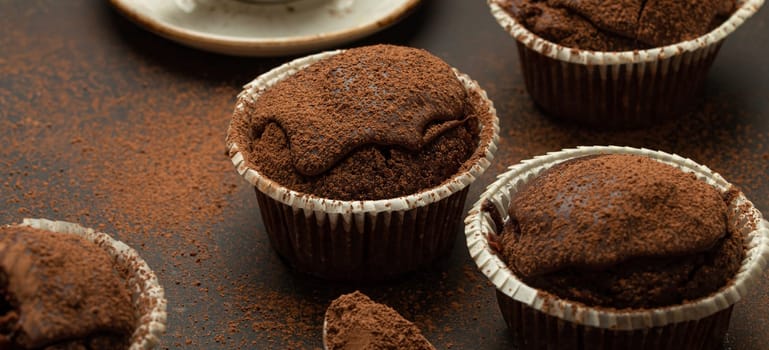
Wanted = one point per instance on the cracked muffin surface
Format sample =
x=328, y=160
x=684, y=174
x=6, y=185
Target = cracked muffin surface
x=620, y=231
x=619, y=25
x=369, y=123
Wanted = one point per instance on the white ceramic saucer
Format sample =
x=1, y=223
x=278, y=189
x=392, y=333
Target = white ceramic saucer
x=264, y=29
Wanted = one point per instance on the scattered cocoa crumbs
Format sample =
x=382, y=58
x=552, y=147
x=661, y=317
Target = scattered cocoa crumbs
x=135, y=155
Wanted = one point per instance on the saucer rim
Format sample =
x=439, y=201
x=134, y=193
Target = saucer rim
x=265, y=47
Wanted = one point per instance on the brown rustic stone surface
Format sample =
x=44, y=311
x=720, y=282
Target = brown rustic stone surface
x=108, y=125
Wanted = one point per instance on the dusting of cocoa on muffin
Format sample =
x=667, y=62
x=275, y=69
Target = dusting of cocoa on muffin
x=60, y=291
x=369, y=123
x=621, y=231
x=619, y=25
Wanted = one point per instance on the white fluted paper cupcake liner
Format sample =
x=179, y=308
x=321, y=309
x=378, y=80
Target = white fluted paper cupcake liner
x=350, y=240
x=147, y=295
x=744, y=218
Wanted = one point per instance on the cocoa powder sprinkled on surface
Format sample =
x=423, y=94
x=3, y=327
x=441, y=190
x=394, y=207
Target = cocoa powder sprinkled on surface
x=144, y=164
x=76, y=65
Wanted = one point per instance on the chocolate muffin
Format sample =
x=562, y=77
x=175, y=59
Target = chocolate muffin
x=635, y=227
x=619, y=25
x=355, y=322
x=621, y=231
x=618, y=63
x=369, y=123
x=60, y=291
x=361, y=159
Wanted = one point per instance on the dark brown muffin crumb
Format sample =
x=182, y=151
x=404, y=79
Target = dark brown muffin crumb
x=355, y=322
x=621, y=231
x=618, y=25
x=60, y=291
x=370, y=123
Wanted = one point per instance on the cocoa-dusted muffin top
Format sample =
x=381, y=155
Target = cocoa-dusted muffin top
x=619, y=25
x=355, y=322
x=369, y=123
x=621, y=231
x=60, y=291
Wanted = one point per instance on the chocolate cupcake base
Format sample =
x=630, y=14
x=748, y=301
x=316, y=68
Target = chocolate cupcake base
x=540, y=320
